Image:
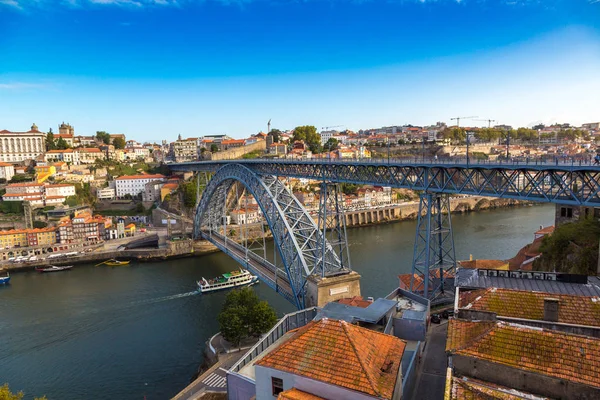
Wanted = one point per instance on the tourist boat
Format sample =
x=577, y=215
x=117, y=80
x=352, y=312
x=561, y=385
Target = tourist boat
x=227, y=281
x=4, y=277
x=114, y=263
x=54, y=268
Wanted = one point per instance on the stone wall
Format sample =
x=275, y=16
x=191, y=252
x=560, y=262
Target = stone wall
x=236, y=152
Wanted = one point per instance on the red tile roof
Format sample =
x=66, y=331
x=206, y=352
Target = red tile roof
x=545, y=231
x=3, y=164
x=295, y=394
x=356, y=301
x=234, y=141
x=484, y=264
x=341, y=354
x=578, y=310
x=552, y=353
x=148, y=176
x=474, y=389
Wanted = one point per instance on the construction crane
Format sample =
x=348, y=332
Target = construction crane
x=457, y=119
x=489, y=121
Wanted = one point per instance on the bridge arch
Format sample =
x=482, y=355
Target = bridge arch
x=298, y=240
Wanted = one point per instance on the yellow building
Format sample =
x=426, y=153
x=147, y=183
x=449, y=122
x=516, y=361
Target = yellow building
x=44, y=172
x=13, y=238
x=167, y=189
x=130, y=230
x=41, y=237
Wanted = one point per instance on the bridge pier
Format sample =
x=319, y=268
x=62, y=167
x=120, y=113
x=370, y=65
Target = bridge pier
x=434, y=258
x=322, y=290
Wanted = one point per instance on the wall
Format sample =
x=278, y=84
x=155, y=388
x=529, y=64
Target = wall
x=321, y=291
x=236, y=152
x=522, y=380
x=455, y=150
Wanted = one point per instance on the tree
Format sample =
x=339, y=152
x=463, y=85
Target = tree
x=309, y=135
x=6, y=394
x=331, y=144
x=62, y=144
x=276, y=133
x=50, y=144
x=103, y=137
x=214, y=148
x=244, y=315
x=119, y=143
x=140, y=208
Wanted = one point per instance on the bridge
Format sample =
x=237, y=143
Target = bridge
x=313, y=253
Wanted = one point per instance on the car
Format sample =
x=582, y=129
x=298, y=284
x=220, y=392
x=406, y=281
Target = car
x=447, y=314
x=435, y=319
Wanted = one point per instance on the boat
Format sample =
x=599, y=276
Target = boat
x=54, y=268
x=4, y=277
x=227, y=281
x=114, y=263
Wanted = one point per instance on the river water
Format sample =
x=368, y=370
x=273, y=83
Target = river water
x=129, y=332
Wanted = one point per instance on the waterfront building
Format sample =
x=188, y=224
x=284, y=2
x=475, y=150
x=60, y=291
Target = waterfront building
x=13, y=239
x=21, y=146
x=7, y=171
x=134, y=184
x=41, y=236
x=332, y=359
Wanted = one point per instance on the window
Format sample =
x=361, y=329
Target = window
x=277, y=385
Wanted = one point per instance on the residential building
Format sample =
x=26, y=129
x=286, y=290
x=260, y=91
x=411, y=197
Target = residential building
x=106, y=194
x=332, y=359
x=184, y=149
x=134, y=184
x=41, y=236
x=152, y=190
x=25, y=188
x=21, y=146
x=68, y=156
x=13, y=238
x=89, y=155
x=326, y=135
x=249, y=215
x=113, y=136
x=85, y=141
x=43, y=172
x=591, y=126
x=277, y=148
x=64, y=190
x=7, y=171
x=539, y=361
x=38, y=194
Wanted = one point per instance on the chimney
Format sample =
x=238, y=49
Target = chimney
x=470, y=257
x=550, y=310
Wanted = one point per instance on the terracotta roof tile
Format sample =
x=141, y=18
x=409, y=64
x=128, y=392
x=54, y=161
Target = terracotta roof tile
x=295, y=394
x=356, y=301
x=147, y=176
x=484, y=264
x=551, y=353
x=578, y=310
x=341, y=354
x=474, y=389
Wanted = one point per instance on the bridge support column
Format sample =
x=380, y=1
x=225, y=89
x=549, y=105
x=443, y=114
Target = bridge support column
x=434, y=258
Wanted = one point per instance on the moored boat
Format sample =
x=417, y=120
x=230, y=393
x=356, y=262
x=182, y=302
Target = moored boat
x=114, y=263
x=54, y=268
x=4, y=277
x=227, y=281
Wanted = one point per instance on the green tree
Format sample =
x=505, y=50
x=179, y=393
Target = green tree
x=119, y=143
x=50, y=144
x=309, y=135
x=140, y=208
x=331, y=144
x=276, y=133
x=214, y=148
x=103, y=137
x=6, y=394
x=244, y=315
x=62, y=144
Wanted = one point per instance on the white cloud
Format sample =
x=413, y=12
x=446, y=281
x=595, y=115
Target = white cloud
x=22, y=85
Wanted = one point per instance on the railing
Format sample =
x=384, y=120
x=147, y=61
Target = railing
x=409, y=380
x=287, y=323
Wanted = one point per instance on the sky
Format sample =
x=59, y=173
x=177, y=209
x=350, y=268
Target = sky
x=154, y=69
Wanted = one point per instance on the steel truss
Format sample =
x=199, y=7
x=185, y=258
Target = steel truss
x=434, y=259
x=564, y=184
x=298, y=240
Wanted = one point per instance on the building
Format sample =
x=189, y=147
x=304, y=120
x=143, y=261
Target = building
x=248, y=215
x=184, y=149
x=277, y=148
x=134, y=184
x=7, y=171
x=85, y=141
x=231, y=143
x=38, y=194
x=106, y=194
x=593, y=126
x=89, y=155
x=21, y=146
x=167, y=189
x=152, y=190
x=14, y=238
x=41, y=237
x=539, y=361
x=68, y=156
x=332, y=359
x=326, y=135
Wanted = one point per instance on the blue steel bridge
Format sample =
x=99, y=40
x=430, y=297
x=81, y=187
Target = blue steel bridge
x=305, y=247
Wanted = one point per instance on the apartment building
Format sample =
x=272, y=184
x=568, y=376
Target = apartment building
x=7, y=171
x=184, y=149
x=134, y=184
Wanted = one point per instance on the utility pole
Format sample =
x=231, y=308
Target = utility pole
x=457, y=119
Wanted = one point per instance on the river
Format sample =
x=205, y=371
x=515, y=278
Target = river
x=129, y=332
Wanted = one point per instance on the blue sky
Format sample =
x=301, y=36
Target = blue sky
x=153, y=69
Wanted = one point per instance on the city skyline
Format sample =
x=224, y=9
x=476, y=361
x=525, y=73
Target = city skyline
x=153, y=71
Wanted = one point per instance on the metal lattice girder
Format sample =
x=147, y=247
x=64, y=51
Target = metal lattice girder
x=545, y=182
x=332, y=224
x=434, y=258
x=296, y=236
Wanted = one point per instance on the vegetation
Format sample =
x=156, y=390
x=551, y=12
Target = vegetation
x=276, y=133
x=62, y=144
x=331, y=144
x=252, y=154
x=50, y=144
x=21, y=178
x=188, y=189
x=103, y=137
x=244, y=315
x=119, y=143
x=124, y=213
x=6, y=394
x=214, y=148
x=572, y=248
x=39, y=224
x=11, y=207
x=349, y=188
x=309, y=135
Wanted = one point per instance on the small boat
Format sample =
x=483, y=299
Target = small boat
x=113, y=263
x=54, y=268
x=4, y=277
x=227, y=281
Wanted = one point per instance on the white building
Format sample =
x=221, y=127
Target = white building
x=64, y=190
x=245, y=216
x=38, y=194
x=20, y=146
x=7, y=171
x=106, y=194
x=326, y=135
x=134, y=184
x=68, y=155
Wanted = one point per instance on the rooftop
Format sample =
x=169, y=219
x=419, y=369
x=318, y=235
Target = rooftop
x=531, y=281
x=373, y=313
x=487, y=264
x=463, y=388
x=295, y=394
x=145, y=176
x=340, y=354
x=573, y=309
x=556, y=354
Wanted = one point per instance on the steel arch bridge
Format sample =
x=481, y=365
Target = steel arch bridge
x=302, y=247
x=569, y=183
